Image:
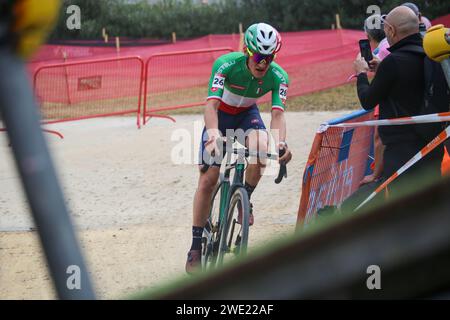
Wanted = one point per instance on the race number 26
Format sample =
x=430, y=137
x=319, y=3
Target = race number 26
x=219, y=81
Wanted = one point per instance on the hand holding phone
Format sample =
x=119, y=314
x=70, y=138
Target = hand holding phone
x=366, y=51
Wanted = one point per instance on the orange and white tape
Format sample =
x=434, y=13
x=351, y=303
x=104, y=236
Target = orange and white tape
x=422, y=153
x=429, y=118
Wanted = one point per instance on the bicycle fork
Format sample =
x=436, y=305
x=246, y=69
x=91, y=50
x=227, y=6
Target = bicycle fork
x=237, y=243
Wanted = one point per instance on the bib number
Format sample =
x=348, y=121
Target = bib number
x=218, y=82
x=283, y=92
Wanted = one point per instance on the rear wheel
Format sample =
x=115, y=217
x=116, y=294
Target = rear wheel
x=234, y=235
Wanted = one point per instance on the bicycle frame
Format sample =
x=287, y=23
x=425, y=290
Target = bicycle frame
x=213, y=238
x=227, y=189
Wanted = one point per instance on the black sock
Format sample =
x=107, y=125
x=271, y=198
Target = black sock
x=197, y=233
x=249, y=189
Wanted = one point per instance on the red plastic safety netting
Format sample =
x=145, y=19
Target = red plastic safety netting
x=314, y=60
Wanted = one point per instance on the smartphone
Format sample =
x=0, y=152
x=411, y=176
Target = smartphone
x=422, y=29
x=366, y=51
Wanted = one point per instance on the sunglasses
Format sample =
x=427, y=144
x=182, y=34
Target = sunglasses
x=259, y=58
x=385, y=22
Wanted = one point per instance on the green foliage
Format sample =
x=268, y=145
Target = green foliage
x=139, y=19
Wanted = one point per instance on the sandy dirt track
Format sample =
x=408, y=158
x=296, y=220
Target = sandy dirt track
x=131, y=204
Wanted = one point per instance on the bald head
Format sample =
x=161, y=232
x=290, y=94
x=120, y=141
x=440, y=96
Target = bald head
x=404, y=20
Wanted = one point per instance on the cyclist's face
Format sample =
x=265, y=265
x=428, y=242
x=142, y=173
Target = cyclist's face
x=258, y=70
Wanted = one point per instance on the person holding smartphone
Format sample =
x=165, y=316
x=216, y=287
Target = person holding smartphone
x=398, y=87
x=376, y=38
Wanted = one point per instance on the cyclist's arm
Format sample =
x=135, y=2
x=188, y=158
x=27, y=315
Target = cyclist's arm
x=215, y=91
x=278, y=125
x=211, y=119
x=279, y=97
x=278, y=122
x=278, y=129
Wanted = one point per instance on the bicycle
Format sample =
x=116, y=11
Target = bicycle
x=228, y=199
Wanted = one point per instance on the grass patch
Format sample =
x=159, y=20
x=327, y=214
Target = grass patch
x=335, y=99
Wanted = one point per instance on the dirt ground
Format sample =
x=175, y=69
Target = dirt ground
x=131, y=204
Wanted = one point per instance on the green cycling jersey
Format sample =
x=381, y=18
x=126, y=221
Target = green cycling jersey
x=233, y=84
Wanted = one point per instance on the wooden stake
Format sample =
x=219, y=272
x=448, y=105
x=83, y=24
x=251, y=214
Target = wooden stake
x=174, y=37
x=118, y=44
x=104, y=35
x=66, y=75
x=209, y=41
x=338, y=21
x=241, y=38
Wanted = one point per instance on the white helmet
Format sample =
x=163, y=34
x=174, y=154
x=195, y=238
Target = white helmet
x=262, y=38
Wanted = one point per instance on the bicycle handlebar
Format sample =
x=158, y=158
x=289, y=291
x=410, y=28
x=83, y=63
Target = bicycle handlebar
x=282, y=173
x=283, y=168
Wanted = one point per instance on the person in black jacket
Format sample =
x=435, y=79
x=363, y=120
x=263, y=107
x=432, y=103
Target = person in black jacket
x=398, y=87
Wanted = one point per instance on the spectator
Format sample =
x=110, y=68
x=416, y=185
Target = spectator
x=374, y=28
x=424, y=23
x=398, y=88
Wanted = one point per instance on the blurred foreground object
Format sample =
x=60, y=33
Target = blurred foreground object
x=437, y=47
x=24, y=24
x=33, y=20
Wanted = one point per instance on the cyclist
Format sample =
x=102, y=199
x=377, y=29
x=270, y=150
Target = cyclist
x=237, y=81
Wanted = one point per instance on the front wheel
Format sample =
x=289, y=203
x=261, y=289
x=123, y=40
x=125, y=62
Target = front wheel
x=234, y=233
x=210, y=236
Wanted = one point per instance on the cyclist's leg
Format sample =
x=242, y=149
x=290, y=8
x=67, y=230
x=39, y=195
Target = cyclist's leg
x=202, y=199
x=208, y=180
x=256, y=140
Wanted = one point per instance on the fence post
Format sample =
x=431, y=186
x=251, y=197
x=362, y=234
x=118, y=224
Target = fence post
x=66, y=75
x=117, y=44
x=339, y=28
x=104, y=35
x=338, y=21
x=241, y=38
